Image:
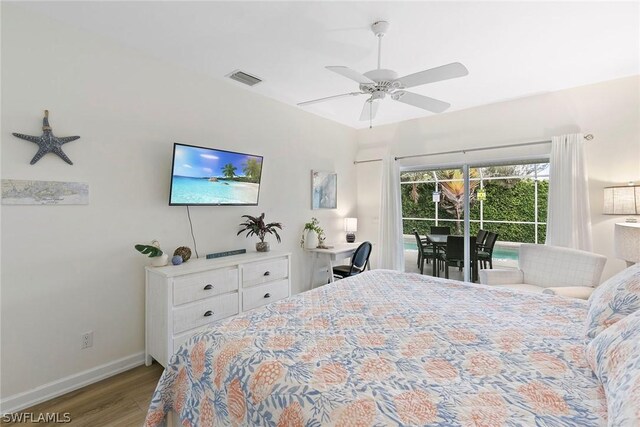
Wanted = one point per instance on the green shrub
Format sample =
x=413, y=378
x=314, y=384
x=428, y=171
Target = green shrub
x=513, y=202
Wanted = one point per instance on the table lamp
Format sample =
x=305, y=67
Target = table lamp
x=626, y=242
x=351, y=226
x=622, y=200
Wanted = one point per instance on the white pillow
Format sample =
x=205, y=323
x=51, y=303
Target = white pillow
x=613, y=300
x=614, y=356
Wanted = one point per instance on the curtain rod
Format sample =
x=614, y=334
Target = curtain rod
x=366, y=161
x=588, y=137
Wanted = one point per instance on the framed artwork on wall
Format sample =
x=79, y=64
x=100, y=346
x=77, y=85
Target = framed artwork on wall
x=324, y=190
x=30, y=192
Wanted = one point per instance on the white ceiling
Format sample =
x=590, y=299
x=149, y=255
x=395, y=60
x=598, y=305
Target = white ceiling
x=512, y=49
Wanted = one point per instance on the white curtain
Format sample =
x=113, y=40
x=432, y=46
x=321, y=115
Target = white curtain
x=568, y=216
x=391, y=245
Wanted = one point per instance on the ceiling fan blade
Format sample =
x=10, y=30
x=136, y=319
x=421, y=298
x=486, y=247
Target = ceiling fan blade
x=351, y=74
x=420, y=101
x=444, y=72
x=313, y=101
x=369, y=110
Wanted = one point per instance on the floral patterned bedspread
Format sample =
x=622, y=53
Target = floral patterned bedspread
x=386, y=348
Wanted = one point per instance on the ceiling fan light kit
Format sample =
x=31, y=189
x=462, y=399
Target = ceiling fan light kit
x=379, y=83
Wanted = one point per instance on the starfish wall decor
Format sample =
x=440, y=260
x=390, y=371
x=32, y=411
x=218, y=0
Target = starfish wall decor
x=48, y=142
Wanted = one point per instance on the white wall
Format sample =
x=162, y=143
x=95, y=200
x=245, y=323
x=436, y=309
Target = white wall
x=70, y=269
x=609, y=110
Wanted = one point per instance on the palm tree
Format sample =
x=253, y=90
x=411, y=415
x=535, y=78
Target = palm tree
x=415, y=176
x=453, y=192
x=229, y=171
x=252, y=169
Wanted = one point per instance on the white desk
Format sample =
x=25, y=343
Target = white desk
x=339, y=251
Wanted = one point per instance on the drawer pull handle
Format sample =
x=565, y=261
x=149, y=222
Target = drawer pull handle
x=208, y=313
x=267, y=295
x=208, y=287
x=266, y=273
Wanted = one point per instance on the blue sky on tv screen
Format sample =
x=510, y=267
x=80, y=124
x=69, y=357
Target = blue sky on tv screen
x=196, y=162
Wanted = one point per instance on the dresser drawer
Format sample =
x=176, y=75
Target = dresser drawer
x=265, y=271
x=264, y=294
x=193, y=287
x=205, y=311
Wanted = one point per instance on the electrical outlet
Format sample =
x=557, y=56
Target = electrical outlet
x=87, y=340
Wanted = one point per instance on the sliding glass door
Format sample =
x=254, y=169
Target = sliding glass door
x=507, y=200
x=433, y=207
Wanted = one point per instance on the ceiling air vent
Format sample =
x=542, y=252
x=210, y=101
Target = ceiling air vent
x=242, y=77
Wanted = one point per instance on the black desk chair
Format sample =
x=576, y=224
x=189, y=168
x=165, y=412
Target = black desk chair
x=455, y=255
x=440, y=230
x=485, y=252
x=359, y=261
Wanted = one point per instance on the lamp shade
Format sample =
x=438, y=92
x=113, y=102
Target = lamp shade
x=626, y=241
x=623, y=200
x=351, y=225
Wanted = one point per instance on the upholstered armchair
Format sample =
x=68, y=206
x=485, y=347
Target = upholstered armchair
x=550, y=270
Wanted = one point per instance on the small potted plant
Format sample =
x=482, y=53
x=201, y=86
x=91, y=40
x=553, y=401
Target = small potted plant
x=158, y=258
x=255, y=226
x=312, y=234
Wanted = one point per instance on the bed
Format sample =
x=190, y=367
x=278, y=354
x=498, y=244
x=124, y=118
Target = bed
x=388, y=348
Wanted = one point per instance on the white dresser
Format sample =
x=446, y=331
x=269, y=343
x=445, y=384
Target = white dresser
x=182, y=300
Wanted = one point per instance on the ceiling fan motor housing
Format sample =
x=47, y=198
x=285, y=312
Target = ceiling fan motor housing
x=385, y=81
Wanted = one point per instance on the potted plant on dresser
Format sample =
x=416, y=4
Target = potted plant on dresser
x=255, y=226
x=158, y=258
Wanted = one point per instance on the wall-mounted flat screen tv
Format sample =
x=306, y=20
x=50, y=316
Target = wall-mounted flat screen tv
x=204, y=176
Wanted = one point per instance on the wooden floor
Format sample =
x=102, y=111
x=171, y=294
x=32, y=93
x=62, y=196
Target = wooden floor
x=121, y=400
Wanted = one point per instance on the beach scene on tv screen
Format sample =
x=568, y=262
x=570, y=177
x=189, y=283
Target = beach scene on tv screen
x=206, y=176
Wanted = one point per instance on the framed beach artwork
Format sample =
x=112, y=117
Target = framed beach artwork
x=324, y=190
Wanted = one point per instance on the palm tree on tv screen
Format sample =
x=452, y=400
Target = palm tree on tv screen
x=252, y=169
x=229, y=171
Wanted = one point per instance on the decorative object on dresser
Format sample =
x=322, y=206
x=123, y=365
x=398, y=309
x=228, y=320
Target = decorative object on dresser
x=158, y=258
x=351, y=226
x=257, y=227
x=185, y=299
x=47, y=142
x=184, y=252
x=324, y=190
x=622, y=200
x=311, y=234
x=626, y=242
x=226, y=253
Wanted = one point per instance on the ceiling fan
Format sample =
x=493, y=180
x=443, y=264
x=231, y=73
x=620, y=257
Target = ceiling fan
x=379, y=83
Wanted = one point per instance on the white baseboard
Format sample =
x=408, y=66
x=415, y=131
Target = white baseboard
x=72, y=382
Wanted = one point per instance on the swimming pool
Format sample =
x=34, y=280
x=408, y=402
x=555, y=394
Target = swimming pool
x=508, y=253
